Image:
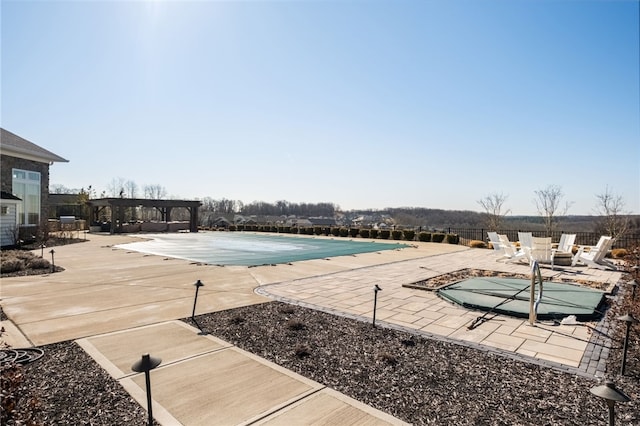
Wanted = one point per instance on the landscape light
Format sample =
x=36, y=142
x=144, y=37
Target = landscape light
x=629, y=319
x=197, y=284
x=611, y=394
x=53, y=263
x=146, y=364
x=376, y=289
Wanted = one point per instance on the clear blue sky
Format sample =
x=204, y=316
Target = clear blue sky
x=366, y=104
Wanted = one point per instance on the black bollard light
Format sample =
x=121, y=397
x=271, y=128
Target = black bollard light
x=629, y=319
x=145, y=365
x=376, y=289
x=53, y=263
x=198, y=284
x=42, y=247
x=611, y=394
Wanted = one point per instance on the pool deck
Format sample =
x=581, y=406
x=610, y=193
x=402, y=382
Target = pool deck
x=118, y=304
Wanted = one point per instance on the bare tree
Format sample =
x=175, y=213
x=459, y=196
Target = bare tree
x=116, y=187
x=131, y=189
x=493, y=205
x=614, y=220
x=61, y=189
x=548, y=204
x=154, y=192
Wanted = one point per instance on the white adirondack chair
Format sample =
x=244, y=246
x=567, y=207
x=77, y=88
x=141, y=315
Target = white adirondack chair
x=566, y=243
x=525, y=239
x=494, y=240
x=515, y=254
x=594, y=256
x=499, y=246
x=540, y=250
x=564, y=248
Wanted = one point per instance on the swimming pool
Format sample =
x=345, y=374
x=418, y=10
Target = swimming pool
x=248, y=249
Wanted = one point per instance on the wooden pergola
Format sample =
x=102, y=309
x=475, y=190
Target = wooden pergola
x=118, y=206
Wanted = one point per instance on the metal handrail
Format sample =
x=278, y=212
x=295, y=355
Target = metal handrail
x=533, y=304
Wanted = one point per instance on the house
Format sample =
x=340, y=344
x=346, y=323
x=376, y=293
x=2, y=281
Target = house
x=24, y=173
x=322, y=221
x=8, y=218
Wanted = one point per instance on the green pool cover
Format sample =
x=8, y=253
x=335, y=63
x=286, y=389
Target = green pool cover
x=250, y=249
x=510, y=296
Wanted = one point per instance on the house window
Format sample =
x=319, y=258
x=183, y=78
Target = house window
x=26, y=186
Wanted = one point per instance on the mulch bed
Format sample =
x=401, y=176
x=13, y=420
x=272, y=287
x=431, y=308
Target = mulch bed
x=65, y=387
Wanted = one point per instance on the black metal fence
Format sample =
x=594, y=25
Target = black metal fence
x=582, y=238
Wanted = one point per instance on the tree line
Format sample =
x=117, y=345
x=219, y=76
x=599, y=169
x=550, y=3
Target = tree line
x=611, y=218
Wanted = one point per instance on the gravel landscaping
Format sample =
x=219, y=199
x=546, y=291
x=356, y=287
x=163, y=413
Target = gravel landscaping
x=412, y=377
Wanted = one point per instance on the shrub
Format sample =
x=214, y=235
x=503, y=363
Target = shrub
x=302, y=351
x=38, y=263
x=619, y=253
x=293, y=230
x=287, y=310
x=237, y=320
x=353, y=232
x=477, y=244
x=437, y=237
x=232, y=227
x=295, y=325
x=374, y=233
x=335, y=231
x=425, y=237
x=396, y=234
x=388, y=358
x=11, y=265
x=384, y=234
x=364, y=233
x=343, y=232
x=452, y=238
x=409, y=234
x=310, y=230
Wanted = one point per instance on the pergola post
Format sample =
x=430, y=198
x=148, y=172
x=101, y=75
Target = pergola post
x=193, y=219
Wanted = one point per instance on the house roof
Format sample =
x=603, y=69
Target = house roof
x=7, y=196
x=16, y=146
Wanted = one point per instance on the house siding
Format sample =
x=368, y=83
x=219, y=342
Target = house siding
x=8, y=223
x=6, y=180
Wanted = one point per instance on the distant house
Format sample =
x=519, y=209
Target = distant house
x=221, y=222
x=322, y=221
x=299, y=223
x=24, y=173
